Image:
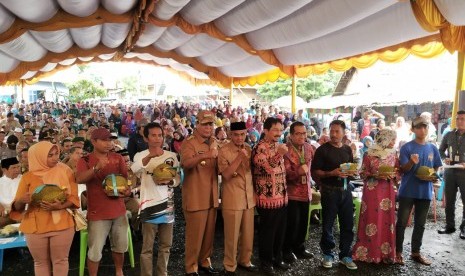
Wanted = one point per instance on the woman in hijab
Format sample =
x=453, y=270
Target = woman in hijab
x=367, y=142
x=48, y=227
x=376, y=236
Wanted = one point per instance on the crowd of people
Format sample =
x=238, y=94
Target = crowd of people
x=246, y=161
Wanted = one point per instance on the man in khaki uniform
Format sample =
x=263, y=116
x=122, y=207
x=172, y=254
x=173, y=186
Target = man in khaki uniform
x=200, y=194
x=238, y=200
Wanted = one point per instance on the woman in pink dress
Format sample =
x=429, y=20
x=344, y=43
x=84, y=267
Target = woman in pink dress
x=376, y=230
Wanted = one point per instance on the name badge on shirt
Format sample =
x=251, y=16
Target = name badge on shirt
x=303, y=179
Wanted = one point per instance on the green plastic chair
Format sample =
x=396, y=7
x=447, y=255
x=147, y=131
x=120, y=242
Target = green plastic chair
x=83, y=250
x=312, y=207
x=358, y=205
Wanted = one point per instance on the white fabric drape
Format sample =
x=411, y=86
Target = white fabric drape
x=7, y=63
x=55, y=41
x=385, y=28
x=115, y=33
x=119, y=6
x=33, y=11
x=24, y=48
x=79, y=7
x=199, y=12
x=6, y=19
x=249, y=67
x=253, y=15
x=315, y=20
x=165, y=9
x=150, y=34
x=87, y=37
x=48, y=67
x=227, y=54
x=172, y=38
x=452, y=10
x=200, y=44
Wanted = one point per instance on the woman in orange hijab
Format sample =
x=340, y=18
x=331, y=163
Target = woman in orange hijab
x=48, y=227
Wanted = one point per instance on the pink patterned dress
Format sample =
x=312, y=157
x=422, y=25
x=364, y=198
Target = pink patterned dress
x=376, y=240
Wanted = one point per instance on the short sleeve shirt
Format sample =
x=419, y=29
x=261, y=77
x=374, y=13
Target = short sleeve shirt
x=99, y=205
x=328, y=157
x=411, y=186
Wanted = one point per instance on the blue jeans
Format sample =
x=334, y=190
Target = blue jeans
x=421, y=211
x=337, y=203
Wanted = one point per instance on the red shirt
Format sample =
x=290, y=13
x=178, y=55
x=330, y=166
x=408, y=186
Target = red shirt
x=99, y=205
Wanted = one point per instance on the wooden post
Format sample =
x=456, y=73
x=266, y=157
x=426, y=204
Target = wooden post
x=293, y=93
x=459, y=86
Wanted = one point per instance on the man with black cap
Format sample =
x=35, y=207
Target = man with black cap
x=105, y=215
x=238, y=200
x=200, y=194
x=8, y=185
x=415, y=192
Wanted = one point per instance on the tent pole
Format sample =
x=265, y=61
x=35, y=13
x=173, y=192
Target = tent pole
x=460, y=84
x=293, y=93
x=231, y=90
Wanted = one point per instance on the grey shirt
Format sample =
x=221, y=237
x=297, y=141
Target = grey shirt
x=454, y=144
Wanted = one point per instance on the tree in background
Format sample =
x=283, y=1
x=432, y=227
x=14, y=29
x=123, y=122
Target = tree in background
x=131, y=87
x=87, y=86
x=85, y=89
x=310, y=88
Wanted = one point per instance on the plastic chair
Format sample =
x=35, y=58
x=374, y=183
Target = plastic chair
x=312, y=207
x=83, y=250
x=358, y=205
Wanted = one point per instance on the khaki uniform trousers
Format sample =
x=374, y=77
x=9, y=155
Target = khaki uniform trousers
x=238, y=232
x=200, y=233
x=165, y=240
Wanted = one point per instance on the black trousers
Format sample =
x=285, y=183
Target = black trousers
x=297, y=223
x=271, y=230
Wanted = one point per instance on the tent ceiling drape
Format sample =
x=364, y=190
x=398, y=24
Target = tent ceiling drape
x=217, y=41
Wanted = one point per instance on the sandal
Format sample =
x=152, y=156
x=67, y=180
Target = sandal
x=420, y=259
x=400, y=259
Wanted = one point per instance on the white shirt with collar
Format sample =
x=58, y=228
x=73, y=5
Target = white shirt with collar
x=8, y=188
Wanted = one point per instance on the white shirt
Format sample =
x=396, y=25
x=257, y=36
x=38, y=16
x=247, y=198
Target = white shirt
x=8, y=188
x=151, y=193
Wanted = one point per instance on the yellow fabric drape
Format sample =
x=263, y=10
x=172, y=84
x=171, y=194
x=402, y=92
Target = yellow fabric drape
x=427, y=47
x=430, y=18
x=460, y=84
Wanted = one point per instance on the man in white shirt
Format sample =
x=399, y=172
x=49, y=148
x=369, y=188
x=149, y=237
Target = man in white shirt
x=156, y=211
x=8, y=185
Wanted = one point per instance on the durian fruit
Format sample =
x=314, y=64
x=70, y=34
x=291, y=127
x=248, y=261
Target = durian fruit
x=425, y=171
x=48, y=193
x=8, y=231
x=119, y=181
x=163, y=173
x=351, y=167
x=384, y=169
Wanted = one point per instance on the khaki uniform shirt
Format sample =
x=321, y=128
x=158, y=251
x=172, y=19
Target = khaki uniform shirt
x=236, y=193
x=200, y=187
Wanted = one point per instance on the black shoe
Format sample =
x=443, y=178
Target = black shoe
x=282, y=265
x=192, y=274
x=305, y=254
x=250, y=268
x=229, y=273
x=446, y=230
x=267, y=269
x=289, y=257
x=209, y=270
x=462, y=234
